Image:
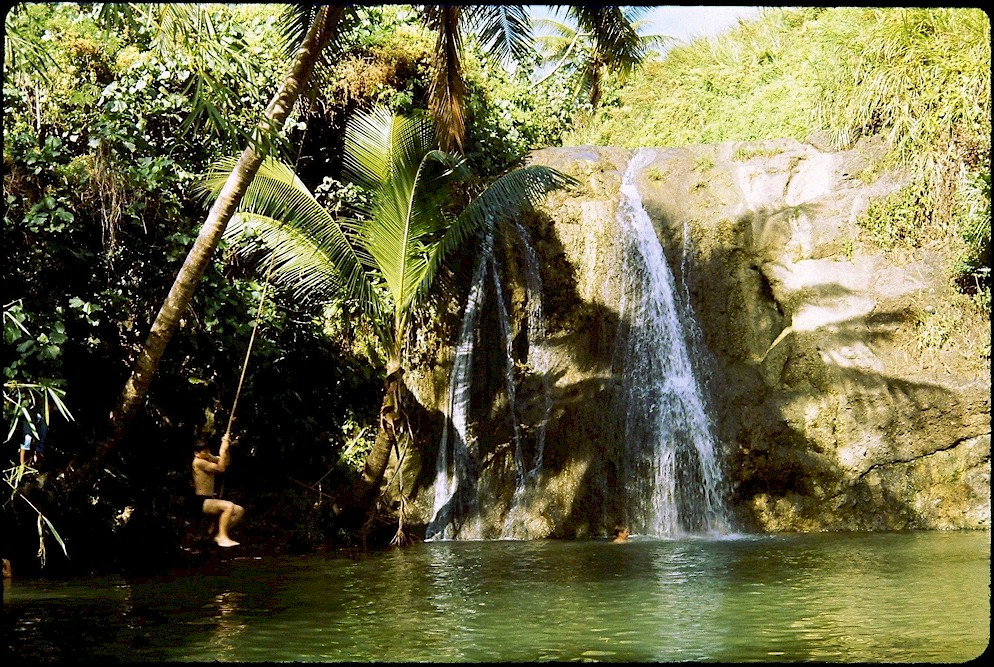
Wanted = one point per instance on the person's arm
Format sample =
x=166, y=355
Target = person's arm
x=225, y=455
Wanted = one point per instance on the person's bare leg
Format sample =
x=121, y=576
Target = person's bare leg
x=224, y=523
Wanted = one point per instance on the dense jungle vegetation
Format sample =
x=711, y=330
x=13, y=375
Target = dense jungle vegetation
x=115, y=114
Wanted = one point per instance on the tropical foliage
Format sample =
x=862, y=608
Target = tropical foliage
x=590, y=52
x=500, y=29
x=102, y=150
x=112, y=112
x=397, y=243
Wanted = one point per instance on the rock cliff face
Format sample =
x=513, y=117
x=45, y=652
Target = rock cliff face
x=832, y=407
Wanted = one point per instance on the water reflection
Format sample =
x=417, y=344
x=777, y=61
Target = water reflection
x=229, y=624
x=836, y=598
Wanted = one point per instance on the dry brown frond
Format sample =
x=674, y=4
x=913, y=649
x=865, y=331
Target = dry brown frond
x=448, y=89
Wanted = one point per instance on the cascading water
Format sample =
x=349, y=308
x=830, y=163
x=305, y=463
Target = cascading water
x=671, y=471
x=505, y=330
x=455, y=482
x=456, y=509
x=669, y=477
x=538, y=353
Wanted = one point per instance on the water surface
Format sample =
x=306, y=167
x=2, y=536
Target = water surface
x=891, y=597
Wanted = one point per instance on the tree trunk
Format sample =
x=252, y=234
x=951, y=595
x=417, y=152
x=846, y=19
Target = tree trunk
x=391, y=422
x=224, y=207
x=376, y=465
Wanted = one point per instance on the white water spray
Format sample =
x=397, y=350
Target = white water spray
x=671, y=468
x=454, y=499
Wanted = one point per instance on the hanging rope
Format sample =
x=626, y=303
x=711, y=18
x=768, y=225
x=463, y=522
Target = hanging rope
x=248, y=350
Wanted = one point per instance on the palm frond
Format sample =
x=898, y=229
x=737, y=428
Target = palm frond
x=556, y=41
x=414, y=211
x=293, y=21
x=504, y=30
x=545, y=27
x=367, y=158
x=21, y=52
x=277, y=194
x=505, y=198
x=614, y=37
x=512, y=193
x=187, y=31
x=398, y=155
x=292, y=24
x=297, y=261
x=22, y=400
x=403, y=227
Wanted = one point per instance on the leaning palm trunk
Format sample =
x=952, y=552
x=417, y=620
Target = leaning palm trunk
x=224, y=207
x=376, y=465
x=393, y=431
x=391, y=425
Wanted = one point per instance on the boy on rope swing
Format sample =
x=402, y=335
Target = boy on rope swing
x=205, y=466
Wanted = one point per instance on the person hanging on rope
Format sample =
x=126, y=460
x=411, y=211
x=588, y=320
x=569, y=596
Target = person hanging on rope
x=205, y=467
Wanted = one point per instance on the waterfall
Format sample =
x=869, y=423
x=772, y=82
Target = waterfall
x=505, y=330
x=671, y=470
x=665, y=467
x=455, y=482
x=456, y=509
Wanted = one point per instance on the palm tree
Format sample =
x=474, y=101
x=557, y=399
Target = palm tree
x=323, y=23
x=503, y=30
x=322, y=28
x=390, y=256
x=612, y=44
x=594, y=42
x=505, y=33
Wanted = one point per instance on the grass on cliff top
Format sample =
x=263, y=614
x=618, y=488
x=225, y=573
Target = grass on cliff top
x=920, y=76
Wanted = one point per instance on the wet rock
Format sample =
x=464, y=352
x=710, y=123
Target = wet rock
x=832, y=410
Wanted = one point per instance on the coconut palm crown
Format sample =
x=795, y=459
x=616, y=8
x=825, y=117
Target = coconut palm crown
x=390, y=254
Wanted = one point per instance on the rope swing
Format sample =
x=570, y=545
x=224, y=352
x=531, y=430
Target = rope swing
x=248, y=350
x=248, y=353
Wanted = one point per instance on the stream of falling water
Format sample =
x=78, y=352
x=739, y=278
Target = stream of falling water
x=455, y=493
x=505, y=330
x=671, y=469
x=456, y=508
x=538, y=352
x=516, y=522
x=671, y=475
